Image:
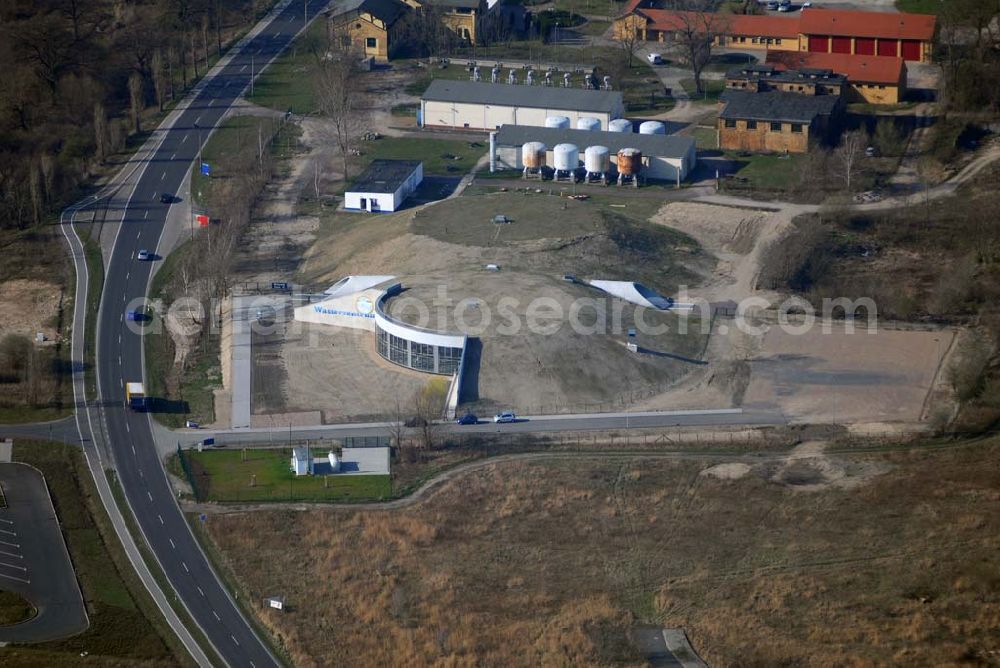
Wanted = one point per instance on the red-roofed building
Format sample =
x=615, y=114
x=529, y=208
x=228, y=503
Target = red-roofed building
x=873, y=79
x=906, y=36
x=815, y=30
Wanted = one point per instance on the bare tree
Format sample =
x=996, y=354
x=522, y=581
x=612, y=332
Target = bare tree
x=628, y=42
x=159, y=78
x=697, y=27
x=135, y=100
x=340, y=95
x=849, y=155
x=428, y=406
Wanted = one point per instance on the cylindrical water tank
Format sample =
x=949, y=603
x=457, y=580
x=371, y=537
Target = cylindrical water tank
x=566, y=157
x=588, y=123
x=652, y=128
x=629, y=161
x=533, y=154
x=620, y=125
x=560, y=122
x=597, y=159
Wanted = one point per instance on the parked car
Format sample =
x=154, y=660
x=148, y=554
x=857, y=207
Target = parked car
x=166, y=198
x=654, y=58
x=772, y=4
x=871, y=152
x=784, y=8
x=504, y=417
x=468, y=418
x=143, y=255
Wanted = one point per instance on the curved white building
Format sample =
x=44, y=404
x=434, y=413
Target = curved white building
x=416, y=347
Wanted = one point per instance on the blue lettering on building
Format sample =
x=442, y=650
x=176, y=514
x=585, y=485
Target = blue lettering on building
x=333, y=311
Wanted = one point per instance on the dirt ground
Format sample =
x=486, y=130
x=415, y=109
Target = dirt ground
x=842, y=377
x=28, y=307
x=828, y=559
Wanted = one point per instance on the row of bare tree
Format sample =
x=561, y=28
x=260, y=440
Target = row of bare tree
x=79, y=76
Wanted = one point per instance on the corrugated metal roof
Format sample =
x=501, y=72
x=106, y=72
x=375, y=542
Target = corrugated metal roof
x=663, y=146
x=386, y=10
x=517, y=95
x=776, y=106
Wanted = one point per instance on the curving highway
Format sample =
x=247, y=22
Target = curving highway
x=119, y=348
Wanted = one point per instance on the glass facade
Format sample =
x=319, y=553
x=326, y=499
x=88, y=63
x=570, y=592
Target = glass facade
x=419, y=356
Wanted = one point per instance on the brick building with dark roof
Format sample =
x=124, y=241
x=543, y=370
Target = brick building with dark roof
x=776, y=121
x=872, y=79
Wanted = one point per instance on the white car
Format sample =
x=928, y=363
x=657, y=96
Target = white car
x=504, y=417
x=654, y=58
x=143, y=255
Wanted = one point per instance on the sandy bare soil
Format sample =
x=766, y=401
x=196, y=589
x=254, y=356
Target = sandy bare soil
x=828, y=559
x=843, y=377
x=28, y=307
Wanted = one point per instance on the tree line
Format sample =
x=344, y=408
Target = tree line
x=81, y=77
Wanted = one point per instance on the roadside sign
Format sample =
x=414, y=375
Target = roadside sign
x=203, y=517
x=279, y=286
x=206, y=169
x=201, y=219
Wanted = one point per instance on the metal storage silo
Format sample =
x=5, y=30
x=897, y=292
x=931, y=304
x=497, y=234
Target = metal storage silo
x=588, y=123
x=652, y=128
x=597, y=163
x=566, y=158
x=560, y=122
x=533, y=158
x=620, y=125
x=629, y=165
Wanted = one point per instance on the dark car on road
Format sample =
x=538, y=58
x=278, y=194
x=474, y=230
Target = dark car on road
x=166, y=198
x=468, y=418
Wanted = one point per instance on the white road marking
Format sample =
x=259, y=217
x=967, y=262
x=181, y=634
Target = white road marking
x=137, y=234
x=185, y=139
x=119, y=343
x=128, y=428
x=197, y=120
x=145, y=215
x=234, y=639
x=161, y=518
x=150, y=496
x=153, y=196
x=172, y=543
x=217, y=615
x=11, y=554
x=11, y=577
x=133, y=450
x=20, y=568
x=9, y=533
x=119, y=360
x=243, y=68
x=163, y=176
x=127, y=274
x=5, y=521
x=173, y=156
x=120, y=381
x=186, y=569
x=277, y=35
x=3, y=542
x=200, y=591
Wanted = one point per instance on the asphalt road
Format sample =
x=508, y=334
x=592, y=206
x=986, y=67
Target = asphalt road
x=34, y=562
x=119, y=352
x=729, y=417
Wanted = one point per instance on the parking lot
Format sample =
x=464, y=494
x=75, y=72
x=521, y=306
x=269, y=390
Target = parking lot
x=34, y=561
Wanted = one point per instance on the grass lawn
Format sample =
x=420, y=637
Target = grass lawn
x=125, y=626
x=14, y=608
x=711, y=89
x=770, y=172
x=440, y=156
x=706, y=138
x=594, y=27
x=223, y=475
x=287, y=83
x=919, y=6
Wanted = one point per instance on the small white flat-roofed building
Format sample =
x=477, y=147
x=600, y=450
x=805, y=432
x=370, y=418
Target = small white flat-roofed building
x=384, y=186
x=302, y=461
x=664, y=157
x=473, y=105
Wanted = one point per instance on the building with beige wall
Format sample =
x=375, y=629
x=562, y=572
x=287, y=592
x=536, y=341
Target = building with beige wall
x=462, y=17
x=470, y=105
x=871, y=79
x=776, y=121
x=373, y=27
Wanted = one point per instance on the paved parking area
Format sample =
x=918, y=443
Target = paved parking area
x=34, y=561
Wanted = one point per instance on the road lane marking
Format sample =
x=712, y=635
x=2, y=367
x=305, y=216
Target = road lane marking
x=186, y=569
x=119, y=360
x=128, y=428
x=127, y=274
x=153, y=196
x=17, y=545
x=243, y=68
x=234, y=639
x=185, y=139
x=137, y=234
x=161, y=518
x=9, y=533
x=5, y=521
x=163, y=176
x=150, y=495
x=145, y=215
x=20, y=568
x=173, y=156
x=200, y=591
x=172, y=543
x=197, y=120
x=12, y=554
x=119, y=343
x=11, y=577
x=133, y=450
x=217, y=615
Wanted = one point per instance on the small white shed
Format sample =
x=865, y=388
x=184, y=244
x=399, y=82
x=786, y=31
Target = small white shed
x=384, y=186
x=302, y=461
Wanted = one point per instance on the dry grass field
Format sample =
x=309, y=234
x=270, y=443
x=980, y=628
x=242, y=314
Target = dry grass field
x=816, y=558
